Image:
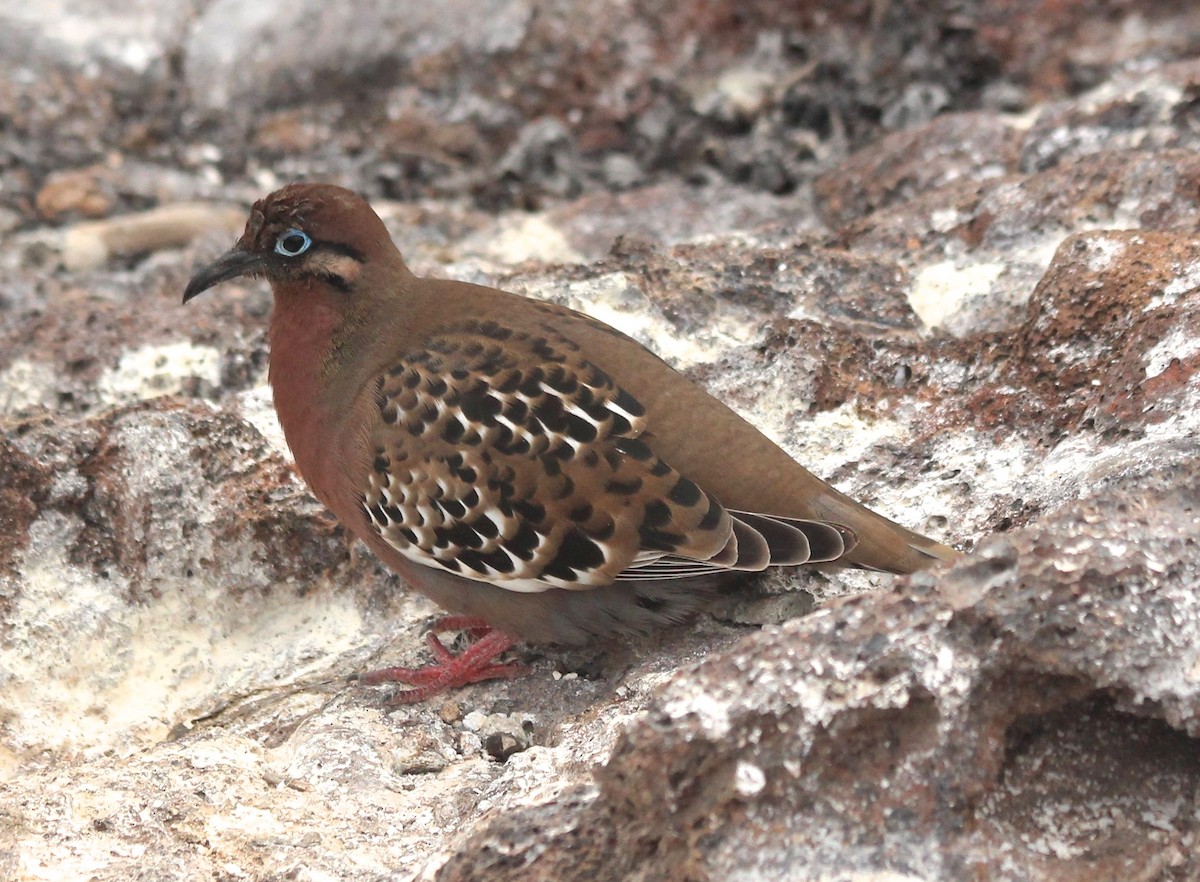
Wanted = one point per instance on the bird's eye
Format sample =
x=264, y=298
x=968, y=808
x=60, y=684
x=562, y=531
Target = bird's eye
x=292, y=243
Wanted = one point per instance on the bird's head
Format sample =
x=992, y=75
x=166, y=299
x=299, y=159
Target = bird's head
x=301, y=237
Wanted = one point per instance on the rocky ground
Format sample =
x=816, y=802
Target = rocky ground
x=945, y=253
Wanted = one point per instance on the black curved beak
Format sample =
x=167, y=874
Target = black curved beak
x=233, y=263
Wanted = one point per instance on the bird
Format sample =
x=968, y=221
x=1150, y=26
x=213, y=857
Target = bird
x=538, y=474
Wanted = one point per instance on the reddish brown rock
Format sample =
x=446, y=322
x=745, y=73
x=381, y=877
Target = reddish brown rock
x=85, y=192
x=972, y=148
x=1109, y=343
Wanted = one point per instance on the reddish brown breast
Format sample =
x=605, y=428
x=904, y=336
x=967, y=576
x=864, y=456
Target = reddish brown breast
x=314, y=416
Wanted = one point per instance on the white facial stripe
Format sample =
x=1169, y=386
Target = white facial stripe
x=344, y=267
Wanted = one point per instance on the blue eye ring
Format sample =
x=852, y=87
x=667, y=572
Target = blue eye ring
x=292, y=243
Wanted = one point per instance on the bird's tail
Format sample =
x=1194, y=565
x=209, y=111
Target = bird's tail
x=881, y=544
x=919, y=553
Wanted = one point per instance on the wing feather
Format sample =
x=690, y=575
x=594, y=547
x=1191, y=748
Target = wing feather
x=503, y=456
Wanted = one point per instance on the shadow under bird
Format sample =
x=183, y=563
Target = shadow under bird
x=532, y=470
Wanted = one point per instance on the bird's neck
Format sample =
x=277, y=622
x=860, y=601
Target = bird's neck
x=315, y=383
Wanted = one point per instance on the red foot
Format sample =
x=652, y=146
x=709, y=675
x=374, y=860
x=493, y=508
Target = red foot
x=473, y=664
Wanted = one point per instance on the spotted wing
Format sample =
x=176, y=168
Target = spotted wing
x=504, y=456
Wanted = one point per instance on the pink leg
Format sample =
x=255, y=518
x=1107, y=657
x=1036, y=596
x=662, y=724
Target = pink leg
x=475, y=663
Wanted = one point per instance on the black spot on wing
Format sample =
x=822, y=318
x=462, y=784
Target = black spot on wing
x=561, y=380
x=565, y=489
x=460, y=535
x=515, y=411
x=629, y=404
x=653, y=539
x=454, y=508
x=604, y=531
x=580, y=429
x=576, y=554
x=471, y=404
x=623, y=487
x=494, y=331
x=659, y=469
x=634, y=448
x=549, y=412
x=485, y=527
x=473, y=560
x=531, y=383
x=685, y=493
x=525, y=542
x=530, y=511
x=657, y=514
x=499, y=561
x=712, y=517
x=542, y=349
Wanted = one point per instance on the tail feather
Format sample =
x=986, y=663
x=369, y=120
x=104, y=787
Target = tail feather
x=848, y=535
x=823, y=542
x=751, y=550
x=787, y=545
x=887, y=547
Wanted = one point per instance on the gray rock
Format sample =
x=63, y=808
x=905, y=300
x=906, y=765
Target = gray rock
x=260, y=54
x=134, y=35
